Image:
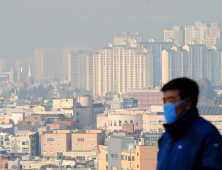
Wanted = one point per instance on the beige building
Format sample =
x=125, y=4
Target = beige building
x=126, y=156
x=80, y=70
x=24, y=142
x=143, y=120
x=81, y=154
x=122, y=67
x=40, y=108
x=175, y=35
x=87, y=141
x=156, y=50
x=203, y=33
x=55, y=141
x=125, y=38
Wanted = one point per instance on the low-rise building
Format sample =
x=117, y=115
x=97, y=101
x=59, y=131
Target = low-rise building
x=48, y=118
x=146, y=96
x=55, y=141
x=87, y=111
x=120, y=102
x=122, y=153
x=24, y=142
x=88, y=140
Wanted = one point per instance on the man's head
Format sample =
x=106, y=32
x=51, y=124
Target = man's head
x=180, y=89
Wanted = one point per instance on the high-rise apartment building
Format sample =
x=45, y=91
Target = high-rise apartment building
x=3, y=65
x=203, y=33
x=193, y=61
x=156, y=50
x=125, y=38
x=118, y=68
x=80, y=70
x=175, y=35
x=48, y=63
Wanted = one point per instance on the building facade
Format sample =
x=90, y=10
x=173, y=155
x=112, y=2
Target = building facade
x=122, y=154
x=146, y=96
x=24, y=142
x=80, y=69
x=125, y=38
x=203, y=33
x=192, y=61
x=118, y=68
x=87, y=141
x=156, y=50
x=55, y=141
x=175, y=35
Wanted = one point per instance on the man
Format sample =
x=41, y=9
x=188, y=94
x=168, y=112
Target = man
x=189, y=142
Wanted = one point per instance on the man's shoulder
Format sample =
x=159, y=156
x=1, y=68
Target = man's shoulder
x=204, y=127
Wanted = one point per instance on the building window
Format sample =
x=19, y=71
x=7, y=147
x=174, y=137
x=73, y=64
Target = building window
x=51, y=145
x=80, y=139
x=44, y=151
x=137, y=154
x=137, y=123
x=7, y=143
x=91, y=138
x=77, y=113
x=129, y=158
x=77, y=120
x=111, y=123
x=120, y=122
x=92, y=145
x=123, y=157
x=106, y=157
x=35, y=117
x=131, y=121
x=114, y=156
x=50, y=139
x=153, y=130
x=76, y=145
x=137, y=165
x=25, y=149
x=144, y=121
x=25, y=142
x=60, y=138
x=115, y=124
x=59, y=145
x=153, y=122
x=45, y=145
x=133, y=158
x=51, y=151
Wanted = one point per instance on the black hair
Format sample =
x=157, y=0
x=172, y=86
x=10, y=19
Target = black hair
x=187, y=88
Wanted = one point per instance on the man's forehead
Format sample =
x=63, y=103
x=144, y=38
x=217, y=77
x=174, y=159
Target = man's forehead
x=169, y=93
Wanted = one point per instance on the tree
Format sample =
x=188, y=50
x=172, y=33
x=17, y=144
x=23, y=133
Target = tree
x=22, y=93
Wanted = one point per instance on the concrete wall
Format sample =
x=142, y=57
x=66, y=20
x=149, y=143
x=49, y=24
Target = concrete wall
x=115, y=146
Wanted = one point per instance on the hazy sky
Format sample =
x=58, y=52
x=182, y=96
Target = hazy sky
x=29, y=24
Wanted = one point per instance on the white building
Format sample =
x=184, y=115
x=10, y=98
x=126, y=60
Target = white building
x=125, y=38
x=175, y=35
x=203, y=33
x=122, y=67
x=192, y=61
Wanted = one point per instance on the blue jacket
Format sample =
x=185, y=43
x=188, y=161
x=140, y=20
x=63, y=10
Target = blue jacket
x=190, y=143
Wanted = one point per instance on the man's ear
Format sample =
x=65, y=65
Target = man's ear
x=189, y=104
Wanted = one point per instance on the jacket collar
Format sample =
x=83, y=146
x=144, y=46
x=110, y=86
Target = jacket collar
x=177, y=128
